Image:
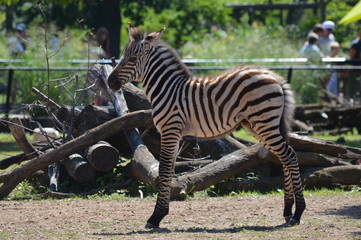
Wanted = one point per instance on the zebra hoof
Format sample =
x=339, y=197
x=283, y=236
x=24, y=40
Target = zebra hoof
x=150, y=226
x=288, y=218
x=293, y=222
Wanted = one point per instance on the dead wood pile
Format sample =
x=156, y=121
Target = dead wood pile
x=95, y=138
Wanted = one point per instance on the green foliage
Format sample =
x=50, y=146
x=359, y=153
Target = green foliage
x=73, y=45
x=8, y=147
x=243, y=41
x=26, y=190
x=197, y=29
x=306, y=85
x=352, y=138
x=184, y=19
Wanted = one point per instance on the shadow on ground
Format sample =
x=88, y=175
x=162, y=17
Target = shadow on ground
x=196, y=230
x=347, y=211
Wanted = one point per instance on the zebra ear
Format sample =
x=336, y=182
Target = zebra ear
x=154, y=36
x=134, y=33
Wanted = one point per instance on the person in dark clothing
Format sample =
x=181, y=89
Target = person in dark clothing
x=355, y=50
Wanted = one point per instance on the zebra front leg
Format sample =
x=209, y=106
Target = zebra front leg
x=169, y=149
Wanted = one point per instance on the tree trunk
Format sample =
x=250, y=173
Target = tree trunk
x=114, y=24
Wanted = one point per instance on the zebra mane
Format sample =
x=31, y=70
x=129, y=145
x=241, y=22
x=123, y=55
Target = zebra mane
x=176, y=57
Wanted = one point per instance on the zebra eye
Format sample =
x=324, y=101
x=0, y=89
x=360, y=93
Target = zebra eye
x=132, y=59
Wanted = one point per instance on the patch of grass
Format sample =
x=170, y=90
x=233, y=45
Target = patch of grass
x=354, y=192
x=201, y=195
x=242, y=133
x=352, y=139
x=8, y=146
x=5, y=234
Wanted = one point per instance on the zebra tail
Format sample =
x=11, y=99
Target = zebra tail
x=288, y=110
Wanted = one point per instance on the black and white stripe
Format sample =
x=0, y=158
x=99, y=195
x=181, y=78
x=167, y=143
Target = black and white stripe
x=207, y=107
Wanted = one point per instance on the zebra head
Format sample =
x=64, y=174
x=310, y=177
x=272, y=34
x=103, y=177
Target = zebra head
x=129, y=66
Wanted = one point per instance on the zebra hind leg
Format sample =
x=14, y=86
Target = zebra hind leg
x=292, y=184
x=274, y=141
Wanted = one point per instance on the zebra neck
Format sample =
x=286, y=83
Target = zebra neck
x=163, y=70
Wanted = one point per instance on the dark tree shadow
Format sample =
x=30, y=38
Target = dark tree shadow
x=196, y=230
x=347, y=211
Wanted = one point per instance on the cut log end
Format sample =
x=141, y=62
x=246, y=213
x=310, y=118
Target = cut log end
x=78, y=168
x=102, y=156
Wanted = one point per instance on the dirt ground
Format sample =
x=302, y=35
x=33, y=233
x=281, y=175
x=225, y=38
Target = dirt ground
x=246, y=217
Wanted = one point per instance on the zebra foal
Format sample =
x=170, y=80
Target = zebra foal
x=210, y=106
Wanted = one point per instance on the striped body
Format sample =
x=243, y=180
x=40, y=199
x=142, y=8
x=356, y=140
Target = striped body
x=208, y=107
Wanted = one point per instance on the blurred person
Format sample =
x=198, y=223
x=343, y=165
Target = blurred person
x=54, y=42
x=101, y=44
x=333, y=83
x=318, y=29
x=355, y=50
x=311, y=51
x=335, y=49
x=352, y=86
x=17, y=44
x=327, y=37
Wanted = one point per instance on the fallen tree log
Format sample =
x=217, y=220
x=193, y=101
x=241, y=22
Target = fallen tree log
x=68, y=114
x=307, y=159
x=78, y=168
x=102, y=156
x=264, y=184
x=17, y=159
x=307, y=144
x=186, y=166
x=329, y=116
x=213, y=173
x=333, y=176
x=132, y=120
x=17, y=130
x=329, y=177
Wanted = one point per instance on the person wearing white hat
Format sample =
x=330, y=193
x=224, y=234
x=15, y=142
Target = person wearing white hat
x=17, y=44
x=327, y=38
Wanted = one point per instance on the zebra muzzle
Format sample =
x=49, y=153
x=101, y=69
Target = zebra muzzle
x=114, y=82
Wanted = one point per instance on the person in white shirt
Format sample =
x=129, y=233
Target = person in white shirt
x=311, y=51
x=327, y=38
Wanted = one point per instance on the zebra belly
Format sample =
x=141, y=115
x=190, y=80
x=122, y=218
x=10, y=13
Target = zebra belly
x=203, y=130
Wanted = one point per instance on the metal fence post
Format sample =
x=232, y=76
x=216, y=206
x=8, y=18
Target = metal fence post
x=8, y=92
x=289, y=75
